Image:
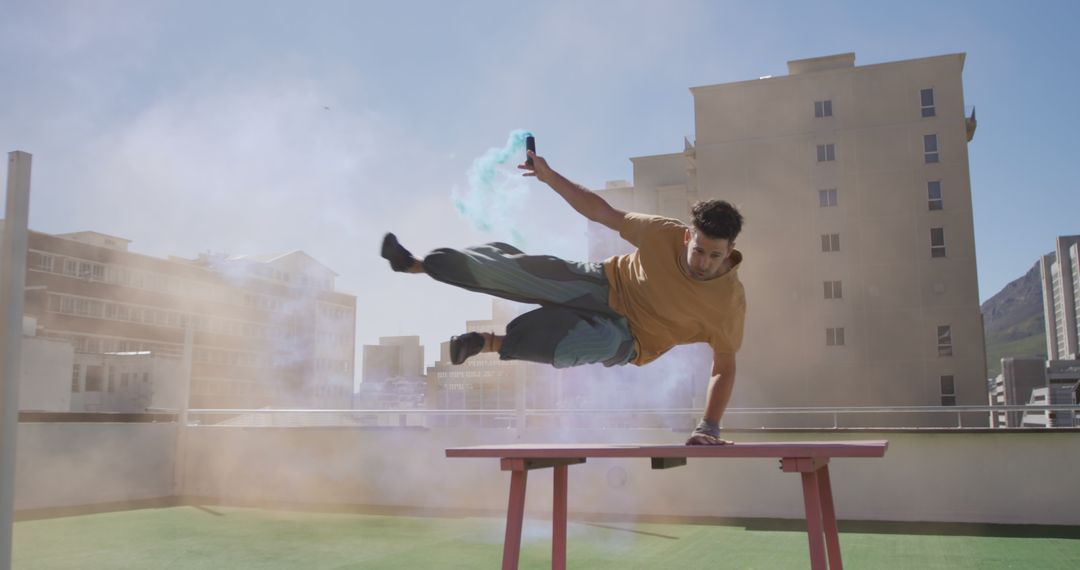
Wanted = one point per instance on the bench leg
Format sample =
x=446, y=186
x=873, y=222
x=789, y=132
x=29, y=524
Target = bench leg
x=814, y=531
x=828, y=515
x=515, y=512
x=558, y=520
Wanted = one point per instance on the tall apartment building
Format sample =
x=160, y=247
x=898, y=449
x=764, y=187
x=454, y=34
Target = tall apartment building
x=266, y=330
x=1063, y=389
x=859, y=243
x=1061, y=282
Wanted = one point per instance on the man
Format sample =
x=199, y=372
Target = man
x=679, y=287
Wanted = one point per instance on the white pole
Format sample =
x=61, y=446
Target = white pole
x=186, y=370
x=180, y=456
x=12, y=283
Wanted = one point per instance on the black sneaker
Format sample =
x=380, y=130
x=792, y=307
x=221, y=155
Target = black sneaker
x=400, y=259
x=464, y=346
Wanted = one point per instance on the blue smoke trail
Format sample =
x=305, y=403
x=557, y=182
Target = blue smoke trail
x=495, y=191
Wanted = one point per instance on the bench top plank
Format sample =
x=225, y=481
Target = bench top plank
x=780, y=449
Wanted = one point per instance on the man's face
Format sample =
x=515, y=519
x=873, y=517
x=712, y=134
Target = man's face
x=705, y=256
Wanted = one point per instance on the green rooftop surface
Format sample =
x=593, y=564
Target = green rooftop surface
x=228, y=537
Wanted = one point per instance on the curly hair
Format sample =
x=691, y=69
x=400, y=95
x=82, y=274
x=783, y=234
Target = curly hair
x=717, y=219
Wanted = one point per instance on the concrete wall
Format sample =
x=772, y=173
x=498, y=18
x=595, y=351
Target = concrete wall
x=1003, y=477
x=66, y=464
x=45, y=378
x=952, y=477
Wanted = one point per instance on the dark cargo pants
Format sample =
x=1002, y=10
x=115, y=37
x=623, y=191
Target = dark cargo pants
x=574, y=324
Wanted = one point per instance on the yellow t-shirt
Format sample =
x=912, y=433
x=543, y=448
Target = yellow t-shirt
x=666, y=307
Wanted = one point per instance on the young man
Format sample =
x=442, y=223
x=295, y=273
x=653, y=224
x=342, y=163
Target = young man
x=681, y=286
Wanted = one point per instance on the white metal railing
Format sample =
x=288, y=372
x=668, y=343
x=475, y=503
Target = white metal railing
x=519, y=418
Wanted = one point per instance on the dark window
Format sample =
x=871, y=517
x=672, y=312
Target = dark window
x=823, y=108
x=937, y=242
x=944, y=342
x=826, y=152
x=926, y=97
x=933, y=195
x=948, y=391
x=830, y=242
x=930, y=149
x=833, y=290
x=827, y=198
x=95, y=378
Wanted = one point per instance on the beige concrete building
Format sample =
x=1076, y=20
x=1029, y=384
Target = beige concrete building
x=392, y=374
x=860, y=256
x=393, y=357
x=267, y=330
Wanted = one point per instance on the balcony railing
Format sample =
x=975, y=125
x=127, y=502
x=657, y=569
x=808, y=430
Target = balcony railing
x=979, y=417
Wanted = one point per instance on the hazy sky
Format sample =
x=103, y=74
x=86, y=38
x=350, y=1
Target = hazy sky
x=251, y=127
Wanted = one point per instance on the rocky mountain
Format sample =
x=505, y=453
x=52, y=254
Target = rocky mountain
x=1013, y=321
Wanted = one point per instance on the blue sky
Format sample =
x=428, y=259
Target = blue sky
x=194, y=126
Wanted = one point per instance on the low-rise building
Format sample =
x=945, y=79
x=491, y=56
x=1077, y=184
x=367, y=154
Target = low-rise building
x=266, y=330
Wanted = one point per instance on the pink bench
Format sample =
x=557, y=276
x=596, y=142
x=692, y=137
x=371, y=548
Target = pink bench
x=810, y=458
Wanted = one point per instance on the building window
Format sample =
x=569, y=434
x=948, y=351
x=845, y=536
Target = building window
x=71, y=267
x=944, y=340
x=830, y=242
x=937, y=242
x=948, y=391
x=933, y=195
x=930, y=149
x=826, y=152
x=926, y=97
x=834, y=336
x=45, y=262
x=827, y=198
x=823, y=108
x=833, y=290
x=95, y=379
x=75, y=387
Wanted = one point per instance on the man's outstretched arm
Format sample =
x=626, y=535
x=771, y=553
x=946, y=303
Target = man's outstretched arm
x=585, y=201
x=720, y=386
